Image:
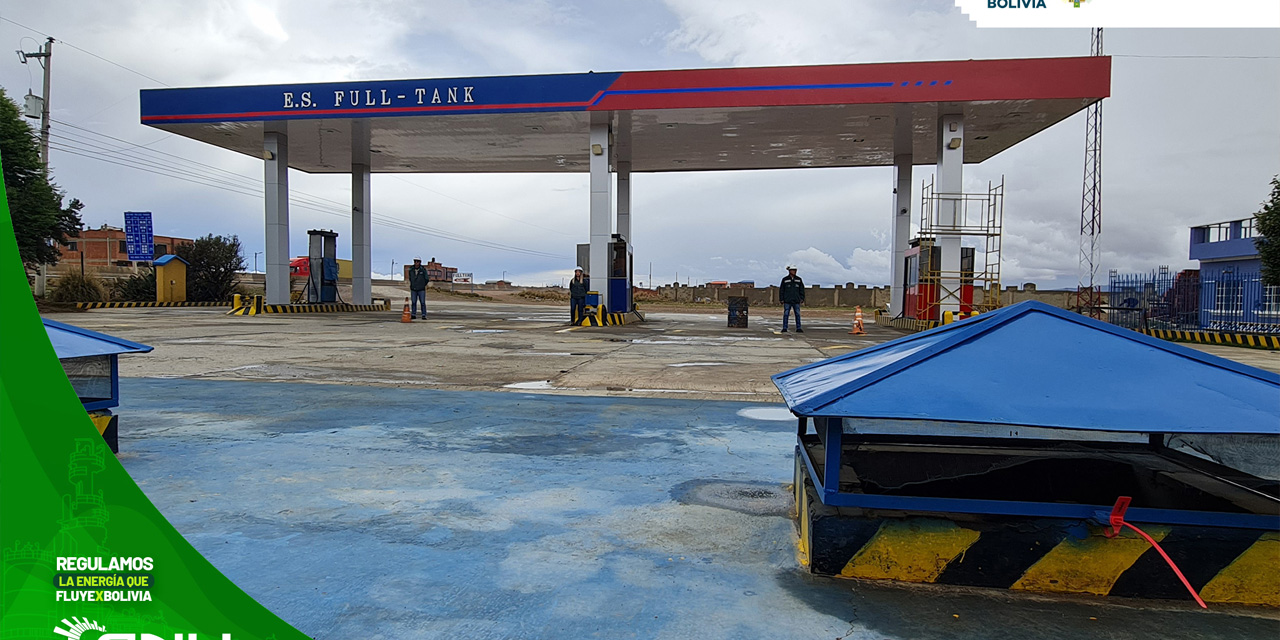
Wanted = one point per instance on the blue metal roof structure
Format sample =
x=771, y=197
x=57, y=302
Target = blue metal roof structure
x=166, y=259
x=73, y=342
x=1036, y=365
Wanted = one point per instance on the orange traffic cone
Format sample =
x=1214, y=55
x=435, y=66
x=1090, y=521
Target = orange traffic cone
x=405, y=317
x=858, y=329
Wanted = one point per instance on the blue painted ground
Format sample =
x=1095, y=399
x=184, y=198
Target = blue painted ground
x=390, y=513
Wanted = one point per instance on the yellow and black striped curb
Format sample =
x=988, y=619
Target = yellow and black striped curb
x=128, y=305
x=1224, y=565
x=252, y=310
x=611, y=319
x=321, y=308
x=1212, y=337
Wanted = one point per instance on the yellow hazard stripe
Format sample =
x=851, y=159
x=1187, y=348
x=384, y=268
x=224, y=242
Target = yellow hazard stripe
x=915, y=550
x=1206, y=337
x=1252, y=578
x=101, y=421
x=134, y=305
x=802, y=508
x=1091, y=565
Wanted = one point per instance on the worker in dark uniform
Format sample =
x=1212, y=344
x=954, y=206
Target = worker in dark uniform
x=791, y=293
x=418, y=279
x=578, y=288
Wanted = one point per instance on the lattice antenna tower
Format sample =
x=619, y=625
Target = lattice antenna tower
x=1088, y=299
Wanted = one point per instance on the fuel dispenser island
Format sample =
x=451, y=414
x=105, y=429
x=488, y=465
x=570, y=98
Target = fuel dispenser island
x=618, y=276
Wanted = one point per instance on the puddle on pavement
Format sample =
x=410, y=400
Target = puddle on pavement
x=772, y=414
x=536, y=384
x=752, y=498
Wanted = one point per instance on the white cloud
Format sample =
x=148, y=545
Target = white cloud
x=864, y=266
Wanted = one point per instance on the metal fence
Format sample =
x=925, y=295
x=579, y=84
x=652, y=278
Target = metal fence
x=1230, y=301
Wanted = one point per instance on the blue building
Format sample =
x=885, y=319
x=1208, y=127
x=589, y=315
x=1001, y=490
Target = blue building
x=1232, y=296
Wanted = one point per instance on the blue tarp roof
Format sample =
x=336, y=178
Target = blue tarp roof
x=1036, y=365
x=73, y=342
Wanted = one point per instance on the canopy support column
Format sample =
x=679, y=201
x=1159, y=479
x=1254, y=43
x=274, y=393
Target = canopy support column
x=900, y=231
x=950, y=216
x=275, y=154
x=361, y=215
x=601, y=209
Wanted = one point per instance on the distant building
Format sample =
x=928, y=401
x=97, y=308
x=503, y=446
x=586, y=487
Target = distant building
x=718, y=284
x=105, y=247
x=1232, y=295
x=1225, y=246
x=435, y=271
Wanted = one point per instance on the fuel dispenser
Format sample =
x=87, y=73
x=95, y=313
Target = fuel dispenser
x=322, y=282
x=617, y=277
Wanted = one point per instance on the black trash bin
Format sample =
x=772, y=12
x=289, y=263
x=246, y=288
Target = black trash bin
x=737, y=312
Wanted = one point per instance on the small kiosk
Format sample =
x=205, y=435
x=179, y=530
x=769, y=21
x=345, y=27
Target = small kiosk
x=171, y=279
x=91, y=361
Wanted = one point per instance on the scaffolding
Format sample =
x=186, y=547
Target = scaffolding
x=979, y=222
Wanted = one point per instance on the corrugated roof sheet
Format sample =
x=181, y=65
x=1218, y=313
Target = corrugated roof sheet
x=1036, y=365
x=70, y=341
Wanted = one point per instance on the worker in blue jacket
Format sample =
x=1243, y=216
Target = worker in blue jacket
x=418, y=280
x=791, y=293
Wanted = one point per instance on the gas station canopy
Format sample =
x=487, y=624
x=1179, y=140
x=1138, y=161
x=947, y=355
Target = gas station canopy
x=683, y=120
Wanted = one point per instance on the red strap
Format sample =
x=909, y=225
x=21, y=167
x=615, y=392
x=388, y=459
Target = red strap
x=1117, y=521
x=1117, y=516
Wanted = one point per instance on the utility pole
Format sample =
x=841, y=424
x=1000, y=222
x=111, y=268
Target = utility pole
x=45, y=55
x=44, y=107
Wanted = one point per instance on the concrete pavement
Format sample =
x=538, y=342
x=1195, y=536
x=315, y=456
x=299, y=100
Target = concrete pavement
x=377, y=512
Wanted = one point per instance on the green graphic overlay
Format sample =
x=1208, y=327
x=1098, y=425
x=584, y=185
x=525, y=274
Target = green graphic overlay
x=84, y=551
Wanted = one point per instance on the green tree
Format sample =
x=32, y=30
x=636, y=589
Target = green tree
x=212, y=266
x=35, y=203
x=1266, y=225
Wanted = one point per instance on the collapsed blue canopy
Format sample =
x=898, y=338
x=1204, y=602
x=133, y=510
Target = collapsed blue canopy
x=1036, y=365
x=73, y=342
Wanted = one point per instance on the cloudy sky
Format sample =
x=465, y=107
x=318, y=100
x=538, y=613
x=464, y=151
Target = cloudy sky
x=1191, y=131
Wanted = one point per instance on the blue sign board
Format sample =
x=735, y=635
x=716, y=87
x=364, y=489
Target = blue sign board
x=137, y=236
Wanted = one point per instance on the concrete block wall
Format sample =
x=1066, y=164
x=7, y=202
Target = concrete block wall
x=1028, y=291
x=850, y=295
x=846, y=295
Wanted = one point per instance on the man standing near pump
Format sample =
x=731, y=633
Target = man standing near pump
x=418, y=279
x=791, y=294
x=578, y=287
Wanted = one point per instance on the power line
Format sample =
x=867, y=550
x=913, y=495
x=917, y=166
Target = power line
x=301, y=200
x=476, y=206
x=294, y=194
x=135, y=161
x=84, y=51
